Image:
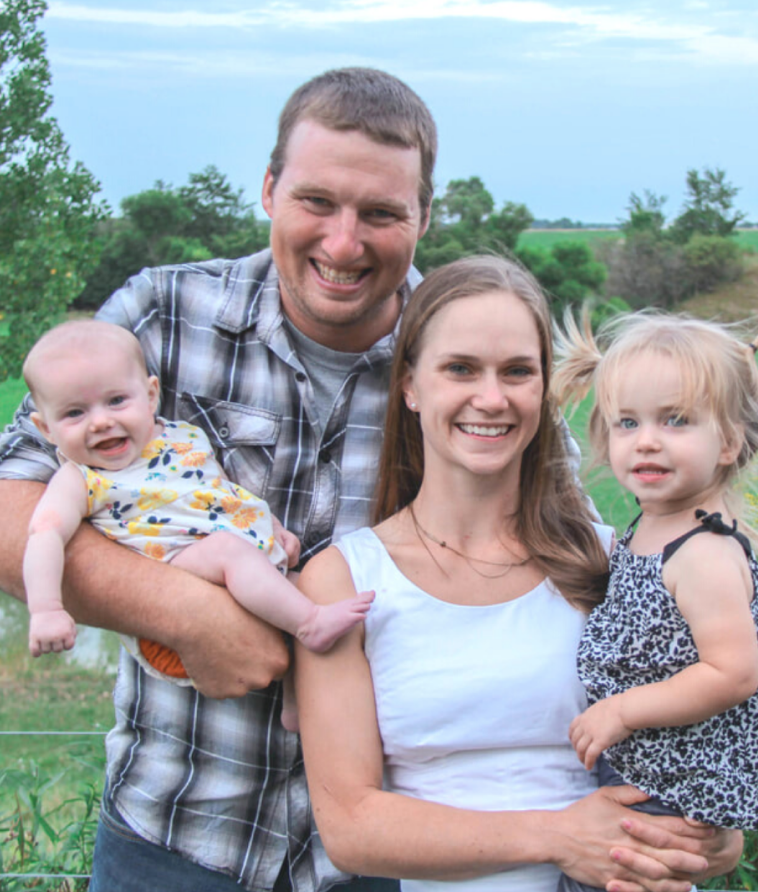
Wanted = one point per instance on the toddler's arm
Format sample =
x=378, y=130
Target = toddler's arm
x=710, y=580
x=55, y=520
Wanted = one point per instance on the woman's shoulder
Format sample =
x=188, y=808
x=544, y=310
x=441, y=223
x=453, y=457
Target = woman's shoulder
x=606, y=534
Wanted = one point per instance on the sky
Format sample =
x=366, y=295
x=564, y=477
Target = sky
x=565, y=106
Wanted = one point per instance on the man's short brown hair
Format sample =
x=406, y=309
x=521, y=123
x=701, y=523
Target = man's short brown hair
x=372, y=102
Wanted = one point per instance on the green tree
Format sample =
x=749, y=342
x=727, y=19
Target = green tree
x=205, y=218
x=709, y=207
x=48, y=211
x=645, y=214
x=568, y=271
x=464, y=221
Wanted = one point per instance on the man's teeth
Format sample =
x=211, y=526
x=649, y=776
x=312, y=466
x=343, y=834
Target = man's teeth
x=481, y=431
x=336, y=277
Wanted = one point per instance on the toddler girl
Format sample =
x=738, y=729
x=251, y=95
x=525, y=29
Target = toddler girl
x=670, y=658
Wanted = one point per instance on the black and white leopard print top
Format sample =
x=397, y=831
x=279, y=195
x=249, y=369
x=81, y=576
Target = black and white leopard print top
x=637, y=636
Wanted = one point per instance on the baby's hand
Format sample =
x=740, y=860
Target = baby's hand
x=597, y=728
x=51, y=631
x=289, y=542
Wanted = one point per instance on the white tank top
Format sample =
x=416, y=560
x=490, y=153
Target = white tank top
x=473, y=703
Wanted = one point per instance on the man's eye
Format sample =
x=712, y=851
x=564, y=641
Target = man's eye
x=381, y=215
x=317, y=203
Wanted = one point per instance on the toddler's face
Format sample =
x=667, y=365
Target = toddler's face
x=98, y=409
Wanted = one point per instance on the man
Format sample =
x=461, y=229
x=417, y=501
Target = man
x=282, y=358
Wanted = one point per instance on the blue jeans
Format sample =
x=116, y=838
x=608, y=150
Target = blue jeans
x=124, y=862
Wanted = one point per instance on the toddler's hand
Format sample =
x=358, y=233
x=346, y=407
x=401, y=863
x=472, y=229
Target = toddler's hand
x=51, y=631
x=597, y=728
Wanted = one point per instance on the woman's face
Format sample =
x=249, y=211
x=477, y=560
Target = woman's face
x=477, y=385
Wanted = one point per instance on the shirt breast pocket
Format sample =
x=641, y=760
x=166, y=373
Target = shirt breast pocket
x=243, y=437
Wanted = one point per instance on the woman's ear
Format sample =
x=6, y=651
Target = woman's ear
x=410, y=399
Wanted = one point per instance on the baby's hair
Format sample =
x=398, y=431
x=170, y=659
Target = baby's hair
x=68, y=338
x=718, y=371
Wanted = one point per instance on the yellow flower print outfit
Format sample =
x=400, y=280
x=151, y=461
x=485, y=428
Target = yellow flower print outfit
x=174, y=494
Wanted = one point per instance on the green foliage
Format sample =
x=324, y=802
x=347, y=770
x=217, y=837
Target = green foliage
x=47, y=207
x=645, y=214
x=709, y=207
x=711, y=260
x=568, y=271
x=659, y=266
x=205, y=218
x=464, y=221
x=35, y=842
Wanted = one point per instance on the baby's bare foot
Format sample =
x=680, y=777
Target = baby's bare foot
x=331, y=621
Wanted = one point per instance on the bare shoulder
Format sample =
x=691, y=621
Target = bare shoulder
x=326, y=577
x=712, y=563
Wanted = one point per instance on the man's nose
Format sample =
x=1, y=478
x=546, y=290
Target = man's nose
x=342, y=243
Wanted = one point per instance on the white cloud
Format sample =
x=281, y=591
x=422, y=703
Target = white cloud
x=586, y=23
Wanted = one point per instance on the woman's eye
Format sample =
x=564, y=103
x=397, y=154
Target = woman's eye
x=458, y=368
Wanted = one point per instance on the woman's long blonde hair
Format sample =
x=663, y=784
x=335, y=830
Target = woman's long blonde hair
x=554, y=522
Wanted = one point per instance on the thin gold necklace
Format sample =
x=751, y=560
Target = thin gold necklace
x=508, y=565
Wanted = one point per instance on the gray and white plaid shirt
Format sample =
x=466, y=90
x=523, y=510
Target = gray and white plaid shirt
x=221, y=782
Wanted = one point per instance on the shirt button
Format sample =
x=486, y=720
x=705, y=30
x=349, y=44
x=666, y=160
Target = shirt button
x=223, y=432
x=300, y=377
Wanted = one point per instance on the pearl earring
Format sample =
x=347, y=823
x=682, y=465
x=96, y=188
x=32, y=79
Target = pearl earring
x=412, y=407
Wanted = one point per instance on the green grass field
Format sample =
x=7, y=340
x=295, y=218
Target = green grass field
x=546, y=238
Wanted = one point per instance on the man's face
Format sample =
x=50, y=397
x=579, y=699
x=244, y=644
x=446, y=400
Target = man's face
x=345, y=219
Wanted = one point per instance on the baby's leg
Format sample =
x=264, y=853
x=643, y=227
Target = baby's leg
x=259, y=587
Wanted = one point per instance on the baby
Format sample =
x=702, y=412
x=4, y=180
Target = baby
x=156, y=486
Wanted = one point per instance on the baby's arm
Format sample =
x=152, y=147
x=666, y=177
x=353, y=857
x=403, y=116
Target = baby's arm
x=55, y=520
x=710, y=580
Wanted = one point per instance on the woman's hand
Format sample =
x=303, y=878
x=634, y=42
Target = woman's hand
x=721, y=848
x=605, y=844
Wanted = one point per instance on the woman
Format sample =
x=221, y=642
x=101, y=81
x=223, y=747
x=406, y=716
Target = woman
x=462, y=685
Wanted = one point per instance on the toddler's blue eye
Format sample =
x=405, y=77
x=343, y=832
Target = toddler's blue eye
x=627, y=424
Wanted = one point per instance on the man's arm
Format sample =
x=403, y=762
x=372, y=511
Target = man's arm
x=225, y=650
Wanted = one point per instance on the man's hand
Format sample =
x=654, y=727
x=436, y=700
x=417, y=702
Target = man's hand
x=597, y=728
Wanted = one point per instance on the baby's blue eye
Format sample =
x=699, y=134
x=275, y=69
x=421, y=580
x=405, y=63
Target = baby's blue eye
x=678, y=420
x=73, y=413
x=627, y=424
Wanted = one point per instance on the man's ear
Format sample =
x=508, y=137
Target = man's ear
x=267, y=193
x=425, y=221
x=41, y=425
x=153, y=393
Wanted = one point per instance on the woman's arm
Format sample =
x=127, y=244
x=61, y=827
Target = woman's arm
x=710, y=581
x=370, y=831
x=226, y=650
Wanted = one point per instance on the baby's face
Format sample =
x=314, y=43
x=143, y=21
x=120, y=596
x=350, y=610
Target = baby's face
x=98, y=409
